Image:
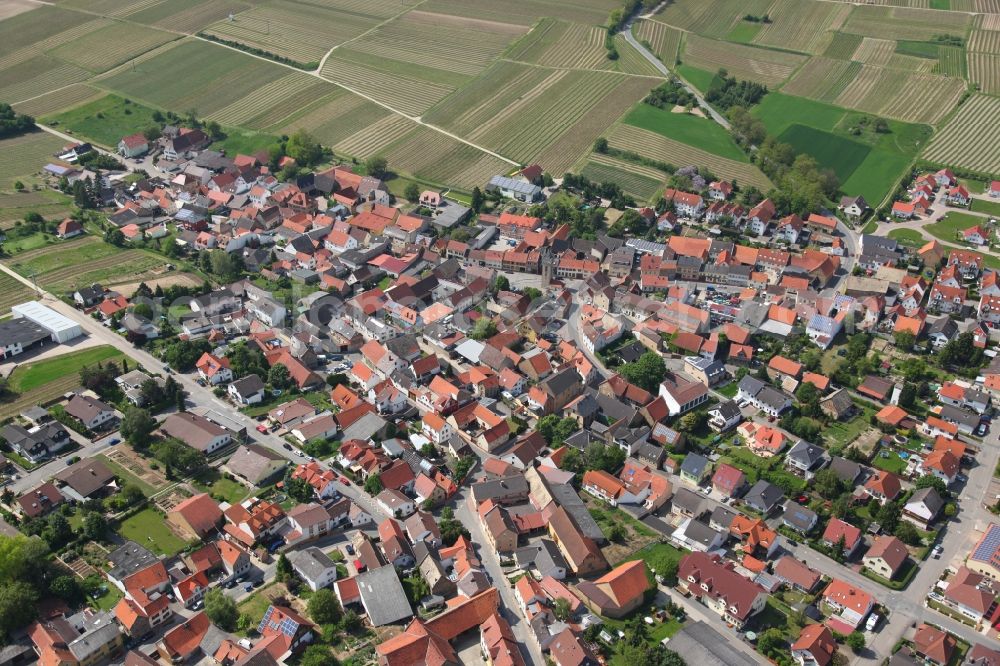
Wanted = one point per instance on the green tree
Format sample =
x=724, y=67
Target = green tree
x=451, y=527
x=18, y=601
x=373, y=484
x=137, y=427
x=647, y=372
x=95, y=526
x=377, y=166
x=245, y=623
x=904, y=339
x=501, y=283
x=483, y=328
x=601, y=145
x=324, y=607
x=304, y=149
x=931, y=481
x=828, y=484
x=278, y=376
x=283, y=568
x=477, y=199
x=691, y=421
x=68, y=589
x=561, y=609
x=856, y=641
x=318, y=655
x=221, y=610
x=907, y=533
x=618, y=533
x=412, y=192
x=888, y=516
x=771, y=643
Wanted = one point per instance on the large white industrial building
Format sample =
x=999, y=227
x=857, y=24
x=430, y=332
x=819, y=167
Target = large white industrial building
x=62, y=329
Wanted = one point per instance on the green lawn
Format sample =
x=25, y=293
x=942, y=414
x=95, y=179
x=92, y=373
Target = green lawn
x=729, y=390
x=989, y=207
x=687, y=128
x=955, y=222
x=223, y=489
x=105, y=120
x=26, y=243
x=33, y=375
x=844, y=433
x=148, y=529
x=743, y=32
x=108, y=600
x=699, y=78
x=910, y=237
x=893, y=463
x=237, y=143
x=255, y=605
x=778, y=112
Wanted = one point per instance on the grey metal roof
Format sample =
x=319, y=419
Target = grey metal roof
x=763, y=495
x=382, y=596
x=311, y=562
x=701, y=644
x=512, y=185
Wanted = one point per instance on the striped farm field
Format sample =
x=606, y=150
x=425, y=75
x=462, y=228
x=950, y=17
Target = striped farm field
x=565, y=151
x=37, y=76
x=407, y=93
x=188, y=16
x=293, y=30
x=32, y=32
x=378, y=9
x=905, y=23
x=984, y=70
x=13, y=292
x=50, y=205
x=873, y=51
x=437, y=158
x=460, y=45
x=59, y=100
x=951, y=61
x=745, y=62
x=337, y=118
x=843, y=46
x=561, y=44
x=104, y=48
x=712, y=18
x=988, y=22
x=117, y=8
x=294, y=90
x=503, y=85
x=822, y=78
x=801, y=26
x=376, y=137
x=641, y=182
x=985, y=41
x=525, y=12
x=630, y=61
x=156, y=83
x=986, y=6
x=658, y=147
x=25, y=155
x=664, y=41
x=12, y=57
x=297, y=102
x=970, y=137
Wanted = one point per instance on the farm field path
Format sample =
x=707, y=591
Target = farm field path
x=415, y=119
x=366, y=32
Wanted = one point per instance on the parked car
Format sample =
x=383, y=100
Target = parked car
x=248, y=587
x=350, y=549
x=262, y=428
x=287, y=447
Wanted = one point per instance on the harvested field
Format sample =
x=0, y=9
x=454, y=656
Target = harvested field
x=984, y=70
x=171, y=280
x=31, y=33
x=905, y=23
x=155, y=81
x=989, y=22
x=24, y=156
x=970, y=137
x=658, y=147
x=377, y=9
x=664, y=41
x=104, y=48
x=711, y=18
x=11, y=8
x=117, y=8
x=295, y=30
x=875, y=51
x=641, y=182
x=59, y=100
x=801, y=26
x=744, y=62
x=188, y=16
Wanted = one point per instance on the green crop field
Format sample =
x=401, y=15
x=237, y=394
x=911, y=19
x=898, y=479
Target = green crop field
x=188, y=16
x=103, y=121
x=24, y=156
x=687, y=128
x=658, y=147
x=801, y=26
x=12, y=292
x=50, y=205
x=970, y=137
x=58, y=100
x=832, y=151
x=43, y=381
x=843, y=46
x=905, y=23
x=102, y=49
x=62, y=267
x=641, y=183
x=155, y=81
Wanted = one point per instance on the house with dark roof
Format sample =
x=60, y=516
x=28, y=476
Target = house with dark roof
x=764, y=496
x=806, y=459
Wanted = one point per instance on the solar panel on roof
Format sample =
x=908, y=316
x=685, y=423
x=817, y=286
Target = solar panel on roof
x=989, y=545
